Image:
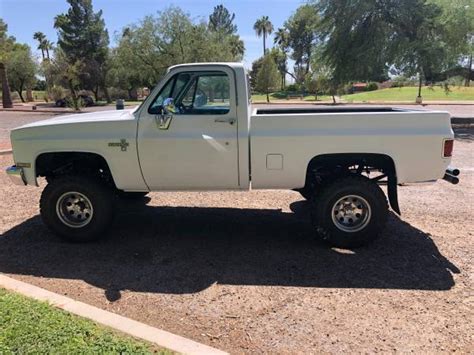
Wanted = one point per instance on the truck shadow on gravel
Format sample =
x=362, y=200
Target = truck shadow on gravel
x=183, y=250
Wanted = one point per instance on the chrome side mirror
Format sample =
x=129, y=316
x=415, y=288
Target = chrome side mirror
x=165, y=114
x=164, y=120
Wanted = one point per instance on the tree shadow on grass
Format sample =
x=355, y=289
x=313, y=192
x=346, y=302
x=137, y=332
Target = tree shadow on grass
x=183, y=250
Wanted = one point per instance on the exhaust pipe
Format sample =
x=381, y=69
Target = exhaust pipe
x=452, y=171
x=450, y=178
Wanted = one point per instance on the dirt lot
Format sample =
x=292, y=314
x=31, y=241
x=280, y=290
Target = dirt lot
x=242, y=272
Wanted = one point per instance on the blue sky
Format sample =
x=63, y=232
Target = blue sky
x=24, y=17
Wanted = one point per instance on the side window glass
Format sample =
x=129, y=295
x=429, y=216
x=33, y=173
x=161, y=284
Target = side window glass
x=194, y=93
x=164, y=93
x=188, y=97
x=208, y=94
x=172, y=89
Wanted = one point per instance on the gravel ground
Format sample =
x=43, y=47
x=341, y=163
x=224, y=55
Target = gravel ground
x=242, y=272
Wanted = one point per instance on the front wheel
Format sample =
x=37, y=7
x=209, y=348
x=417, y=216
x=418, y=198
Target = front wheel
x=78, y=209
x=350, y=212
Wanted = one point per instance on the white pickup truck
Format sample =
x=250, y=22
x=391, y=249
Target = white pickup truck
x=197, y=131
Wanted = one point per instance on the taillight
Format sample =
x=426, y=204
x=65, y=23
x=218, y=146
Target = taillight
x=448, y=148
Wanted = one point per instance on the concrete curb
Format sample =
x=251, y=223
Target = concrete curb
x=125, y=325
x=5, y=152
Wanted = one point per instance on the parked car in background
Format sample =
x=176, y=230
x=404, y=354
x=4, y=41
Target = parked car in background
x=87, y=101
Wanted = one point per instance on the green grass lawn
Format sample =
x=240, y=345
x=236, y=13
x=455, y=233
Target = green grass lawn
x=409, y=94
x=405, y=94
x=28, y=326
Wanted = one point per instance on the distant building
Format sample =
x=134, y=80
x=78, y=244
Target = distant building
x=359, y=87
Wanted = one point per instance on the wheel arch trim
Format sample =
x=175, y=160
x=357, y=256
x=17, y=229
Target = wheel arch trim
x=383, y=160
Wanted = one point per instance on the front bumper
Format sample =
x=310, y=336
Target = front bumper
x=16, y=175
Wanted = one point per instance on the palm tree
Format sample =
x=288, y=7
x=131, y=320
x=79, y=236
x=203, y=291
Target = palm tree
x=41, y=38
x=281, y=38
x=47, y=46
x=263, y=27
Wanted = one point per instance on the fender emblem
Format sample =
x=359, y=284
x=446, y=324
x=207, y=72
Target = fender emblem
x=123, y=144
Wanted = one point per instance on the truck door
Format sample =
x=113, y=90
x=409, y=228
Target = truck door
x=187, y=136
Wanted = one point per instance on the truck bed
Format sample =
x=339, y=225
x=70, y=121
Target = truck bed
x=284, y=140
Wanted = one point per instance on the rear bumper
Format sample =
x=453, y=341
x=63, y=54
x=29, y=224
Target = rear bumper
x=16, y=175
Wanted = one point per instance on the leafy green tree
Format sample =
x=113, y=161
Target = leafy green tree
x=418, y=44
x=357, y=37
x=22, y=69
x=221, y=21
x=170, y=38
x=268, y=76
x=301, y=35
x=6, y=45
x=65, y=74
x=363, y=38
x=83, y=38
x=263, y=27
x=280, y=58
x=123, y=73
x=256, y=65
x=457, y=20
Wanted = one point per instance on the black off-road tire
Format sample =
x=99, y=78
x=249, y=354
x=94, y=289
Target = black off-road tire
x=325, y=200
x=100, y=197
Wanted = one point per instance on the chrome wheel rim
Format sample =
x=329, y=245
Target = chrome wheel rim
x=74, y=209
x=351, y=213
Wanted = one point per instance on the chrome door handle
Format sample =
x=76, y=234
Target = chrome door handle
x=231, y=121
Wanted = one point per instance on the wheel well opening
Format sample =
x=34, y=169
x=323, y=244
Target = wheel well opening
x=379, y=168
x=326, y=166
x=51, y=165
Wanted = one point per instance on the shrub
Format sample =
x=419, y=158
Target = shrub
x=348, y=89
x=293, y=88
x=116, y=93
x=57, y=92
x=371, y=86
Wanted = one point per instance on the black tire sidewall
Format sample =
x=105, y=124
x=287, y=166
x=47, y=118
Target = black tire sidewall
x=100, y=197
x=323, y=210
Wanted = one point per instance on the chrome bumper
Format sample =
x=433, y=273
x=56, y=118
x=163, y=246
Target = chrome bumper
x=16, y=175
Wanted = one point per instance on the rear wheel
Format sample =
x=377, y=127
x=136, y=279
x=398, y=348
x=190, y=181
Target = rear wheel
x=77, y=209
x=350, y=212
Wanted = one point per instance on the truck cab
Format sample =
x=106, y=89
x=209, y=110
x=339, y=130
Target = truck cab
x=204, y=126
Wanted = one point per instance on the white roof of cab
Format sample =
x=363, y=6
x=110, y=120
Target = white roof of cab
x=234, y=65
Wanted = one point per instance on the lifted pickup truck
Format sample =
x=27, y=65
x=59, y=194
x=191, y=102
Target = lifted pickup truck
x=197, y=131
